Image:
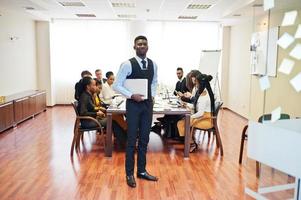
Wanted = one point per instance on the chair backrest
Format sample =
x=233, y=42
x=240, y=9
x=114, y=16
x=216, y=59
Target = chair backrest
x=217, y=106
x=75, y=107
x=268, y=117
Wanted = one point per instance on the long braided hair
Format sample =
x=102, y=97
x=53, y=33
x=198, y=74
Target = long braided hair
x=204, y=83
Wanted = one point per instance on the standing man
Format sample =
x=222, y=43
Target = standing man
x=181, y=84
x=139, y=111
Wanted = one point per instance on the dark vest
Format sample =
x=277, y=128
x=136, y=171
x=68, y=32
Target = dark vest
x=138, y=73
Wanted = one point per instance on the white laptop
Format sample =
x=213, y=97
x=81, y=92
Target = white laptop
x=137, y=86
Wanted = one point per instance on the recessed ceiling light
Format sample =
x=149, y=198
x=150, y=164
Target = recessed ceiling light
x=85, y=15
x=187, y=17
x=199, y=6
x=126, y=16
x=70, y=4
x=123, y=5
x=236, y=15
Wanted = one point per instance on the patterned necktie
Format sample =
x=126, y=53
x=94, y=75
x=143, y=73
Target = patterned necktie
x=143, y=64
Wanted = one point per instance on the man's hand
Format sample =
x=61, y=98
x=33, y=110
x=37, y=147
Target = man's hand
x=137, y=97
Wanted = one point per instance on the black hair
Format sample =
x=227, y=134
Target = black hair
x=109, y=73
x=98, y=82
x=179, y=69
x=85, y=82
x=204, y=83
x=85, y=72
x=140, y=37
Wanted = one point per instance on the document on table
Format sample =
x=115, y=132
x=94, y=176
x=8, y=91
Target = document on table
x=137, y=86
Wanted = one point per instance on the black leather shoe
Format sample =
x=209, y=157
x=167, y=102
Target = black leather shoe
x=130, y=180
x=147, y=176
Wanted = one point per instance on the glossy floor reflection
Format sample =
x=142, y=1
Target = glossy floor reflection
x=35, y=163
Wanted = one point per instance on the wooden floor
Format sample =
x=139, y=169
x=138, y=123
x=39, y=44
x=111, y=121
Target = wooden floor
x=35, y=164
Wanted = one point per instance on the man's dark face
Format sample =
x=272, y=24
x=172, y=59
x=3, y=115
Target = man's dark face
x=179, y=74
x=141, y=47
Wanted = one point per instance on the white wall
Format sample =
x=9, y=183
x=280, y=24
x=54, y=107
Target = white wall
x=18, y=71
x=78, y=45
x=244, y=94
x=239, y=69
x=43, y=60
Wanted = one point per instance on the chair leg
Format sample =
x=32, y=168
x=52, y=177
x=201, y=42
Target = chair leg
x=75, y=134
x=77, y=143
x=242, y=142
x=258, y=166
x=218, y=138
x=209, y=136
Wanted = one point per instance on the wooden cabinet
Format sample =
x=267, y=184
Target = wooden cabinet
x=6, y=116
x=21, y=106
x=21, y=109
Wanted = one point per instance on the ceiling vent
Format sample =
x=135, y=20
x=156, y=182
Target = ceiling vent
x=126, y=16
x=85, y=15
x=187, y=17
x=199, y=6
x=72, y=4
x=29, y=8
x=123, y=5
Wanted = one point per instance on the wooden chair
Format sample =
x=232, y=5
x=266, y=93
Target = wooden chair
x=79, y=130
x=214, y=129
x=244, y=136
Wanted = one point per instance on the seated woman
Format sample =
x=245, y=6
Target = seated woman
x=202, y=108
x=87, y=107
x=100, y=105
x=192, y=87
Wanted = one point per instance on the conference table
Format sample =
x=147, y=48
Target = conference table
x=161, y=107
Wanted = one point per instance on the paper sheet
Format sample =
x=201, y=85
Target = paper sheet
x=276, y=114
x=298, y=32
x=286, y=66
x=289, y=18
x=268, y=4
x=285, y=40
x=296, y=82
x=264, y=83
x=296, y=52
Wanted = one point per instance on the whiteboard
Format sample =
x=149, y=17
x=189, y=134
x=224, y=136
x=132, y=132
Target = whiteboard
x=209, y=62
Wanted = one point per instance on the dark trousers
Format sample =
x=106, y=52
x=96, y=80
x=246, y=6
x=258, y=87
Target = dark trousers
x=139, y=119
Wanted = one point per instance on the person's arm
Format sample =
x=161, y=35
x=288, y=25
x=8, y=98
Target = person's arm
x=83, y=111
x=201, y=105
x=124, y=71
x=155, y=81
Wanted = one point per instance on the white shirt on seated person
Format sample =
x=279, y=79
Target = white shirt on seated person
x=107, y=93
x=203, y=105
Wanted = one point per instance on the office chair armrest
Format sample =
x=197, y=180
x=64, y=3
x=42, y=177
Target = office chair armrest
x=89, y=118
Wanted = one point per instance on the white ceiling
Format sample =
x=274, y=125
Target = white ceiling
x=221, y=11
